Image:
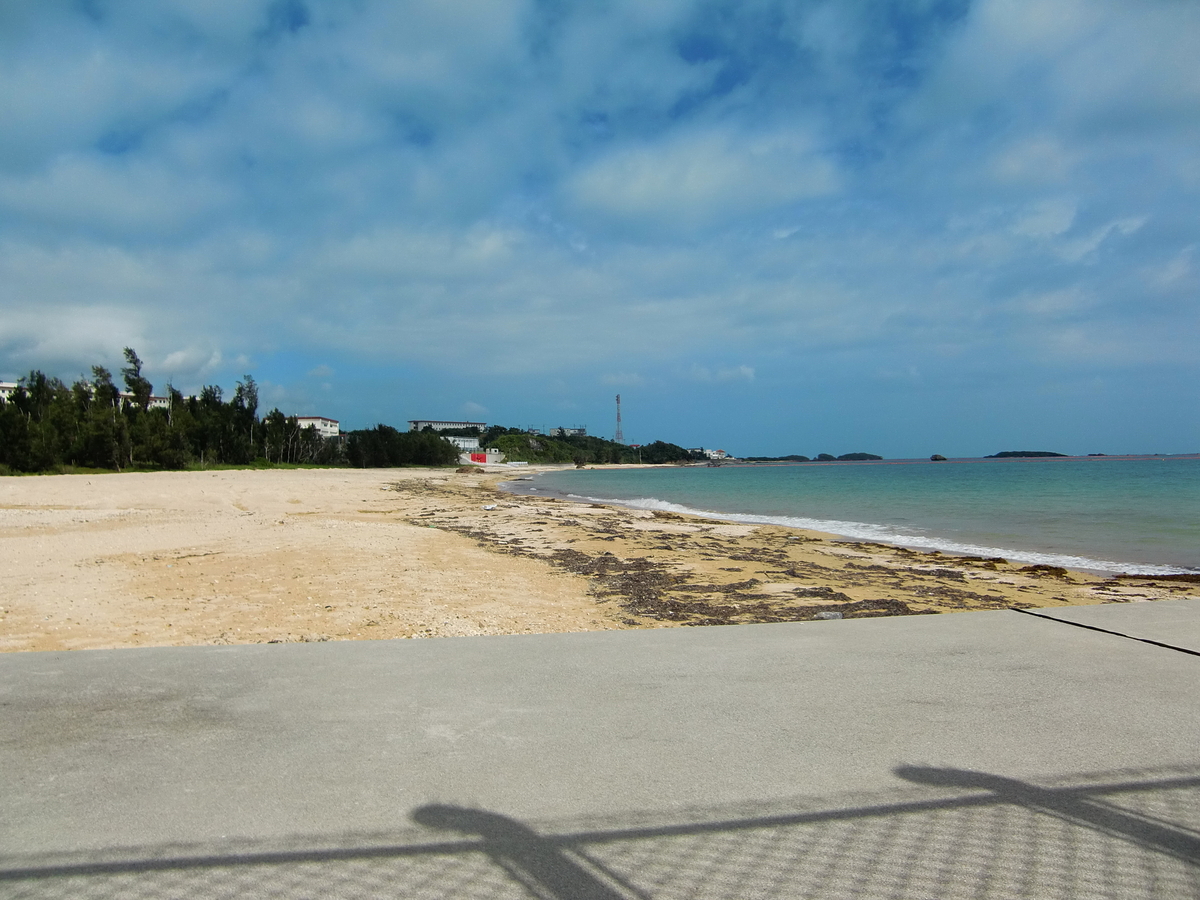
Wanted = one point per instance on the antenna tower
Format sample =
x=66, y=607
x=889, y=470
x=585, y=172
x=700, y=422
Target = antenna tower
x=619, y=438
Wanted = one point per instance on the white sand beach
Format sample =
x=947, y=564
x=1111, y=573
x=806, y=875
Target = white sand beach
x=251, y=556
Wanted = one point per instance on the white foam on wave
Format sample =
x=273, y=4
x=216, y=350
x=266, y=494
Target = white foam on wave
x=888, y=534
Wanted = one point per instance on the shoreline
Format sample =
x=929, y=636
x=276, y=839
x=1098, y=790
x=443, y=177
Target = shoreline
x=875, y=533
x=272, y=556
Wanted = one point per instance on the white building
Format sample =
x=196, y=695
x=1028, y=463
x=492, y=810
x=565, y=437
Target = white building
x=326, y=428
x=155, y=402
x=441, y=425
x=489, y=457
x=469, y=449
x=8, y=388
x=576, y=431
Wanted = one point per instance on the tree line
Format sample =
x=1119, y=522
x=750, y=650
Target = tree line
x=581, y=449
x=47, y=426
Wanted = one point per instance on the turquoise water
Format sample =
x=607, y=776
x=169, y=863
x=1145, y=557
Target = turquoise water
x=1106, y=514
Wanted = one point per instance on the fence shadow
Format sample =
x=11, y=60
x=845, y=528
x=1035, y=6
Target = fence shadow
x=948, y=833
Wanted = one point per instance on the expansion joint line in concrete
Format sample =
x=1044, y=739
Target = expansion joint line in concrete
x=1131, y=637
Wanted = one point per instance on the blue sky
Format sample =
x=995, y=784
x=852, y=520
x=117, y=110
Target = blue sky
x=900, y=227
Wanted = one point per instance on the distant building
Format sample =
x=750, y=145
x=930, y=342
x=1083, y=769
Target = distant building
x=155, y=402
x=716, y=454
x=491, y=456
x=326, y=428
x=469, y=444
x=578, y=431
x=8, y=388
x=441, y=425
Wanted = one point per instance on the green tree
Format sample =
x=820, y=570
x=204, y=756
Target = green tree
x=135, y=384
x=524, y=447
x=177, y=453
x=147, y=436
x=244, y=421
x=44, y=405
x=207, y=414
x=277, y=430
x=384, y=446
x=14, y=432
x=663, y=452
x=104, y=437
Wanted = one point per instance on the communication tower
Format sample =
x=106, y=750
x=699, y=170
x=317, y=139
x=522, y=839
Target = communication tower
x=619, y=437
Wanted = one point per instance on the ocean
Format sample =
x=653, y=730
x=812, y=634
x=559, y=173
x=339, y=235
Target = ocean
x=1104, y=514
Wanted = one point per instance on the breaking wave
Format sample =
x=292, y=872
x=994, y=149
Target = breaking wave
x=890, y=534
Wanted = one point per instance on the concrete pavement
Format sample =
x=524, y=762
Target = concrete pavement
x=1171, y=622
x=980, y=754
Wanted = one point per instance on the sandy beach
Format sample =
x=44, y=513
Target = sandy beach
x=244, y=556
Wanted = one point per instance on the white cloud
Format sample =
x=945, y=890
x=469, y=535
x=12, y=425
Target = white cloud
x=1052, y=304
x=706, y=375
x=1046, y=218
x=1034, y=160
x=599, y=196
x=190, y=364
x=623, y=379
x=1175, y=272
x=696, y=178
x=70, y=338
x=113, y=195
x=1076, y=250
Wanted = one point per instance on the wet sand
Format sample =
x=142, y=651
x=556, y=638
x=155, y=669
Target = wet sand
x=187, y=558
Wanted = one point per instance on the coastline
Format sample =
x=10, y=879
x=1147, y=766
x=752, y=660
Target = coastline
x=243, y=556
x=1144, y=546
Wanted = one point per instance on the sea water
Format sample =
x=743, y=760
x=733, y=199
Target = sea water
x=1105, y=514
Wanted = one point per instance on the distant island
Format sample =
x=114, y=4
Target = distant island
x=820, y=457
x=1023, y=454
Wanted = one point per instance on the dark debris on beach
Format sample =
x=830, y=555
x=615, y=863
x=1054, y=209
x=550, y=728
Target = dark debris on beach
x=650, y=589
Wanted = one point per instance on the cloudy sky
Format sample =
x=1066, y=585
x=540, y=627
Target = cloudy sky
x=774, y=227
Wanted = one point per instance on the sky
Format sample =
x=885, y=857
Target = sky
x=932, y=226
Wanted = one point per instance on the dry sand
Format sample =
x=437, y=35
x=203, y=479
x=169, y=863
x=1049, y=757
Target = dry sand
x=180, y=558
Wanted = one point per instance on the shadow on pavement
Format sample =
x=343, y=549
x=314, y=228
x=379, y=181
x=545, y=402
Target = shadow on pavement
x=950, y=833
x=1077, y=807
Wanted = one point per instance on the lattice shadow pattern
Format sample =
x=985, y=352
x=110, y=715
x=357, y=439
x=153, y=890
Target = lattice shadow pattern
x=951, y=834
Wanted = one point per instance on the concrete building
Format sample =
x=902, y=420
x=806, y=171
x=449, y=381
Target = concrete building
x=489, y=457
x=468, y=444
x=326, y=428
x=577, y=431
x=8, y=388
x=155, y=402
x=443, y=425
